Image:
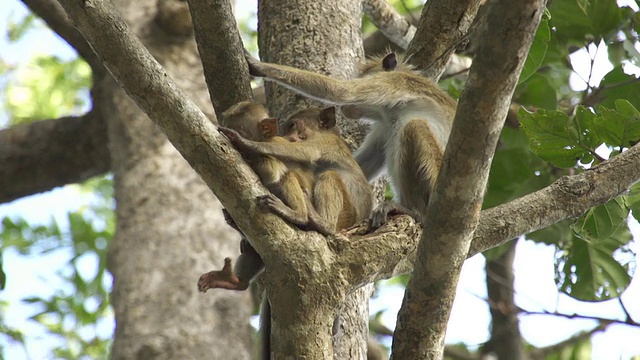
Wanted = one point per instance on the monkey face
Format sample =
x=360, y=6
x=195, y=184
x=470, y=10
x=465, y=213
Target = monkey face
x=296, y=131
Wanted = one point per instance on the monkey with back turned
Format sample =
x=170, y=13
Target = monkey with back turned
x=411, y=122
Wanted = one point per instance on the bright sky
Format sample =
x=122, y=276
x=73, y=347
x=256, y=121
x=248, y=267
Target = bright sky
x=535, y=287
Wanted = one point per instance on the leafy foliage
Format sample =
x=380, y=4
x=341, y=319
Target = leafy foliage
x=41, y=89
x=81, y=305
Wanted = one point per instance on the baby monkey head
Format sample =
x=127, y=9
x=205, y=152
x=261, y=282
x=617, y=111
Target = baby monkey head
x=307, y=123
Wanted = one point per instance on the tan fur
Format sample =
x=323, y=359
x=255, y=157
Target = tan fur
x=341, y=194
x=411, y=117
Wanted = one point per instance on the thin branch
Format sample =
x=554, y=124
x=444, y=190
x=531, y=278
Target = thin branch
x=602, y=320
x=44, y=154
x=53, y=14
x=629, y=319
x=222, y=53
x=442, y=26
x=542, y=353
x=393, y=25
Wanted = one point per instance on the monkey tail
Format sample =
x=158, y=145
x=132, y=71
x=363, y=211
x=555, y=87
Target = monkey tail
x=265, y=327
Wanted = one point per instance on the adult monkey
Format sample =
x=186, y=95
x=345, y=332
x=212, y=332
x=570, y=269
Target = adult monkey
x=411, y=122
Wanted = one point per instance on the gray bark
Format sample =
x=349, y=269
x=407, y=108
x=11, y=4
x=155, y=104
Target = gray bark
x=169, y=225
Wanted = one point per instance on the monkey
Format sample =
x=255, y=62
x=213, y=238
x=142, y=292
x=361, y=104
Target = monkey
x=341, y=194
x=411, y=121
x=290, y=184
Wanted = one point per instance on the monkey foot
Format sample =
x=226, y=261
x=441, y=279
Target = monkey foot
x=222, y=279
x=381, y=214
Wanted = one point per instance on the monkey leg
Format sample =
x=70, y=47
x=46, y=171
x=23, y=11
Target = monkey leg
x=328, y=200
x=289, y=200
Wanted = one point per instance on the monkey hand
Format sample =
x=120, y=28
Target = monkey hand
x=243, y=145
x=229, y=220
x=254, y=65
x=224, y=279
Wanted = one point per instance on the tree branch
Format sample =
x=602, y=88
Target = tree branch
x=442, y=25
x=393, y=25
x=44, y=154
x=454, y=206
x=188, y=129
x=391, y=250
x=222, y=53
x=54, y=16
x=602, y=320
x=542, y=353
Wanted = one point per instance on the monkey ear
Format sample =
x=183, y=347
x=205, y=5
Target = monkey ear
x=269, y=127
x=389, y=62
x=328, y=117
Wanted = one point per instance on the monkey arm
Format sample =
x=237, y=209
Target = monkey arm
x=298, y=152
x=318, y=86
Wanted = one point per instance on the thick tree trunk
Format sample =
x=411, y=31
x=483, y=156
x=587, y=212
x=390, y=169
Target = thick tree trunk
x=323, y=37
x=169, y=225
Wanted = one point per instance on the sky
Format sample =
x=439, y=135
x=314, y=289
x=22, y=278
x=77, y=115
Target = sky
x=534, y=263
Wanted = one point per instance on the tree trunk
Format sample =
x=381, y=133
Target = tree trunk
x=169, y=225
x=323, y=37
x=505, y=341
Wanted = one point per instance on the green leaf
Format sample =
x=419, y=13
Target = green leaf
x=537, y=52
x=633, y=200
x=3, y=275
x=538, y=92
x=17, y=30
x=557, y=138
x=619, y=127
x=515, y=170
x=588, y=268
x=618, y=85
x=579, y=20
x=496, y=252
x=556, y=234
x=578, y=350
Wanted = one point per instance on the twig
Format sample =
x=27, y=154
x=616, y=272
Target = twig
x=393, y=25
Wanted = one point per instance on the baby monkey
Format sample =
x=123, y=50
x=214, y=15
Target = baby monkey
x=411, y=122
x=290, y=184
x=341, y=194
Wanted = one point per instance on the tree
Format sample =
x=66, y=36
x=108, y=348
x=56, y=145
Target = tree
x=151, y=178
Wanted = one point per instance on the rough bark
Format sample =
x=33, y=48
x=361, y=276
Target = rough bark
x=323, y=37
x=45, y=154
x=505, y=341
x=169, y=225
x=221, y=51
x=454, y=207
x=443, y=24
